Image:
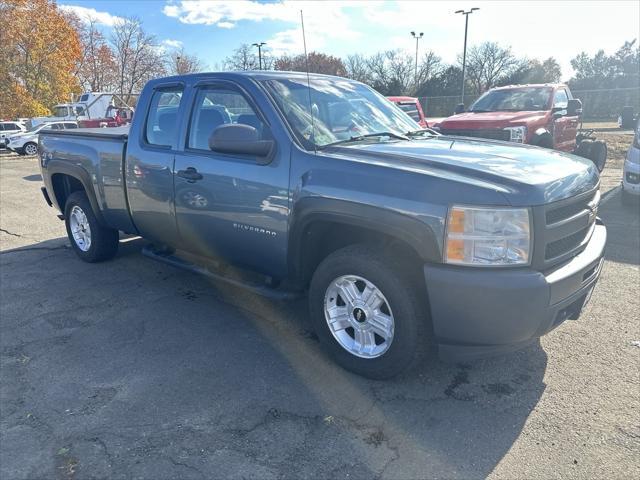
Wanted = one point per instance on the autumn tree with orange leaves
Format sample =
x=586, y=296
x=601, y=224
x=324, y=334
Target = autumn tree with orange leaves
x=40, y=51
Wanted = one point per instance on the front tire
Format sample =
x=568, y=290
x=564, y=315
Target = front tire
x=91, y=241
x=598, y=154
x=366, y=313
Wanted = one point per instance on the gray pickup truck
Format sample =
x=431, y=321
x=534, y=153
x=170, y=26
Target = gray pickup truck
x=402, y=239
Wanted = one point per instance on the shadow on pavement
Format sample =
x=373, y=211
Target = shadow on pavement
x=621, y=246
x=132, y=368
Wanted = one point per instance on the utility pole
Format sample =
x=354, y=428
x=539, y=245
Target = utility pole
x=417, y=37
x=464, y=52
x=259, y=45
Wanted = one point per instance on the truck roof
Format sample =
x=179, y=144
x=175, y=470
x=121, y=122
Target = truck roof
x=254, y=74
x=530, y=85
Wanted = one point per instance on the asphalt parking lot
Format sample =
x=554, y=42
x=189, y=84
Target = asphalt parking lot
x=133, y=369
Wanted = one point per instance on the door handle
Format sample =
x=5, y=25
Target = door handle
x=190, y=174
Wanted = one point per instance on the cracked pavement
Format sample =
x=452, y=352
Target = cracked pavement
x=134, y=369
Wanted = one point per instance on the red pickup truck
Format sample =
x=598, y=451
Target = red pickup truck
x=411, y=106
x=545, y=115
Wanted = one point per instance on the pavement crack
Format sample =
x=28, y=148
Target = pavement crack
x=10, y=233
x=185, y=465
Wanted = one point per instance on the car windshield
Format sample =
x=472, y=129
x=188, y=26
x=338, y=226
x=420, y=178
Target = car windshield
x=513, y=99
x=36, y=128
x=341, y=109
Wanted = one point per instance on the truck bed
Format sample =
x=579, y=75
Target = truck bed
x=120, y=133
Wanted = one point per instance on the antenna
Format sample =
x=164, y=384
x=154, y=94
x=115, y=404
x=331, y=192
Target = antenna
x=306, y=62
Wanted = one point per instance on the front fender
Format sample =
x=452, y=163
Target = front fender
x=307, y=211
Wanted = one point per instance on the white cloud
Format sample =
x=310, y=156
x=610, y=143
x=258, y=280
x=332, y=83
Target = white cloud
x=85, y=14
x=323, y=20
x=172, y=43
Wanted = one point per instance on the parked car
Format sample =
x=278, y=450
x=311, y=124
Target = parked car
x=10, y=128
x=403, y=238
x=411, y=106
x=544, y=115
x=631, y=171
x=26, y=143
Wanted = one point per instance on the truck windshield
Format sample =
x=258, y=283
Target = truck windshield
x=60, y=111
x=514, y=99
x=341, y=110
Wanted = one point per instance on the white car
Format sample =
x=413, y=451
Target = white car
x=10, y=128
x=27, y=143
x=631, y=171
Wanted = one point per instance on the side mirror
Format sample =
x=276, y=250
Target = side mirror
x=242, y=139
x=459, y=109
x=574, y=107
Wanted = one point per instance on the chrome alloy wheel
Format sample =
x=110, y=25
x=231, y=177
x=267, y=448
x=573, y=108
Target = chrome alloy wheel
x=359, y=316
x=80, y=228
x=31, y=149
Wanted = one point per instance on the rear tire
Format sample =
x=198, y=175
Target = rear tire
x=30, y=149
x=378, y=338
x=598, y=154
x=91, y=241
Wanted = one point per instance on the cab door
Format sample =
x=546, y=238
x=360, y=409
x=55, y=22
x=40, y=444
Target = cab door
x=149, y=164
x=231, y=206
x=564, y=127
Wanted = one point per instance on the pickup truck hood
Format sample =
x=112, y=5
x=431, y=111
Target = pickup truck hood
x=526, y=175
x=470, y=120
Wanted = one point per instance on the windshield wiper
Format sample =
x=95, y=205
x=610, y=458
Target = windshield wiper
x=422, y=131
x=359, y=138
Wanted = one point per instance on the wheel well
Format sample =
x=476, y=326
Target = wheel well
x=320, y=239
x=63, y=186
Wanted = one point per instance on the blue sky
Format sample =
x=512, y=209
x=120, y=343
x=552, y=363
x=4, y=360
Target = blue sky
x=212, y=29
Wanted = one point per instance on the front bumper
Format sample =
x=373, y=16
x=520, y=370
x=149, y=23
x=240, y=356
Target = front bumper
x=483, y=312
x=631, y=172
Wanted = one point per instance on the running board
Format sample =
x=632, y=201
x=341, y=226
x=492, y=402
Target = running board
x=263, y=290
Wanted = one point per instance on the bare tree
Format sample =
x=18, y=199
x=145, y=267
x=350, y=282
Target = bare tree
x=243, y=58
x=137, y=56
x=357, y=68
x=488, y=63
x=430, y=66
x=96, y=69
x=179, y=62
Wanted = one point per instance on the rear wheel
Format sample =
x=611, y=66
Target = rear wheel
x=91, y=241
x=30, y=149
x=366, y=312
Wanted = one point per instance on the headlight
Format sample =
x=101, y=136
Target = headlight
x=517, y=134
x=487, y=236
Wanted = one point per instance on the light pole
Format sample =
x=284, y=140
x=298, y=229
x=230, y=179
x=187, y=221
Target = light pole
x=259, y=45
x=464, y=52
x=417, y=37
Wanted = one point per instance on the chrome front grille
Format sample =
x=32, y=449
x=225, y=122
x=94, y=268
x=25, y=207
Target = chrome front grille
x=492, y=133
x=567, y=226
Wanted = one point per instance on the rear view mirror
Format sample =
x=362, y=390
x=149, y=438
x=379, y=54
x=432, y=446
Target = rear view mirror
x=240, y=139
x=574, y=107
x=459, y=109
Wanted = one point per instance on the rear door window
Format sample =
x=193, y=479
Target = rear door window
x=162, y=119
